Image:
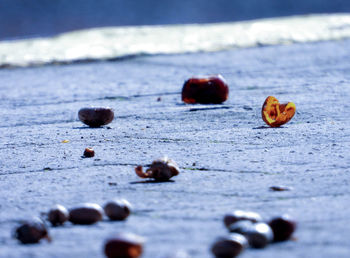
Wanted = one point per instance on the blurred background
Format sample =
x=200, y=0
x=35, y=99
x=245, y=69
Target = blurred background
x=37, y=18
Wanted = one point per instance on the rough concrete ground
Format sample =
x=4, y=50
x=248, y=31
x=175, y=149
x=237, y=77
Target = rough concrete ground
x=227, y=156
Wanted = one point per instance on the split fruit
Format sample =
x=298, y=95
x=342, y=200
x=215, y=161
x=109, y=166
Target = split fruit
x=275, y=114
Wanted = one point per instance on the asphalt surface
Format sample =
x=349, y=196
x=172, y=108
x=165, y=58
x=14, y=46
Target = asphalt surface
x=228, y=157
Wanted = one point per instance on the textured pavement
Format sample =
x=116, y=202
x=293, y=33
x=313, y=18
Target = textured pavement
x=228, y=157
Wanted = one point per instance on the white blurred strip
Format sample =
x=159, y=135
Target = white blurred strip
x=114, y=42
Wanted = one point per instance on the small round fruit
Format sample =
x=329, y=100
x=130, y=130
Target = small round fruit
x=124, y=245
x=259, y=235
x=88, y=213
x=32, y=231
x=89, y=153
x=229, y=246
x=96, y=116
x=205, y=90
x=282, y=227
x=117, y=209
x=58, y=215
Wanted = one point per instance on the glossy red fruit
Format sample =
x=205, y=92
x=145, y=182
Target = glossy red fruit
x=32, y=231
x=89, y=153
x=282, y=227
x=124, y=245
x=117, y=209
x=205, y=90
x=88, y=213
x=259, y=235
x=96, y=116
x=58, y=215
x=229, y=246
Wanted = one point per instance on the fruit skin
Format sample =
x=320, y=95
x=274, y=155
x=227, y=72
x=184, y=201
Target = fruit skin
x=205, y=90
x=124, y=245
x=275, y=114
x=238, y=215
x=96, y=116
x=283, y=227
x=88, y=213
x=31, y=232
x=58, y=215
x=117, y=209
x=229, y=246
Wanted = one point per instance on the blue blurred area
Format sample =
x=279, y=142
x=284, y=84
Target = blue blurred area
x=32, y=18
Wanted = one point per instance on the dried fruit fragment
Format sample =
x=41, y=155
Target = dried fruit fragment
x=88, y=213
x=160, y=169
x=275, y=114
x=205, y=90
x=282, y=227
x=124, y=245
x=96, y=116
x=118, y=209
x=230, y=246
x=32, y=232
x=238, y=215
x=89, y=153
x=58, y=215
x=279, y=188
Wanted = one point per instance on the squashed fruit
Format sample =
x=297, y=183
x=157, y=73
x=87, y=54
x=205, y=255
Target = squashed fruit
x=275, y=114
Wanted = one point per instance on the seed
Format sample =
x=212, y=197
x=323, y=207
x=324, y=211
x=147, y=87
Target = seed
x=88, y=213
x=32, y=232
x=118, y=209
x=282, y=227
x=89, y=153
x=161, y=170
x=205, y=90
x=58, y=215
x=241, y=215
x=124, y=245
x=229, y=246
x=96, y=116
